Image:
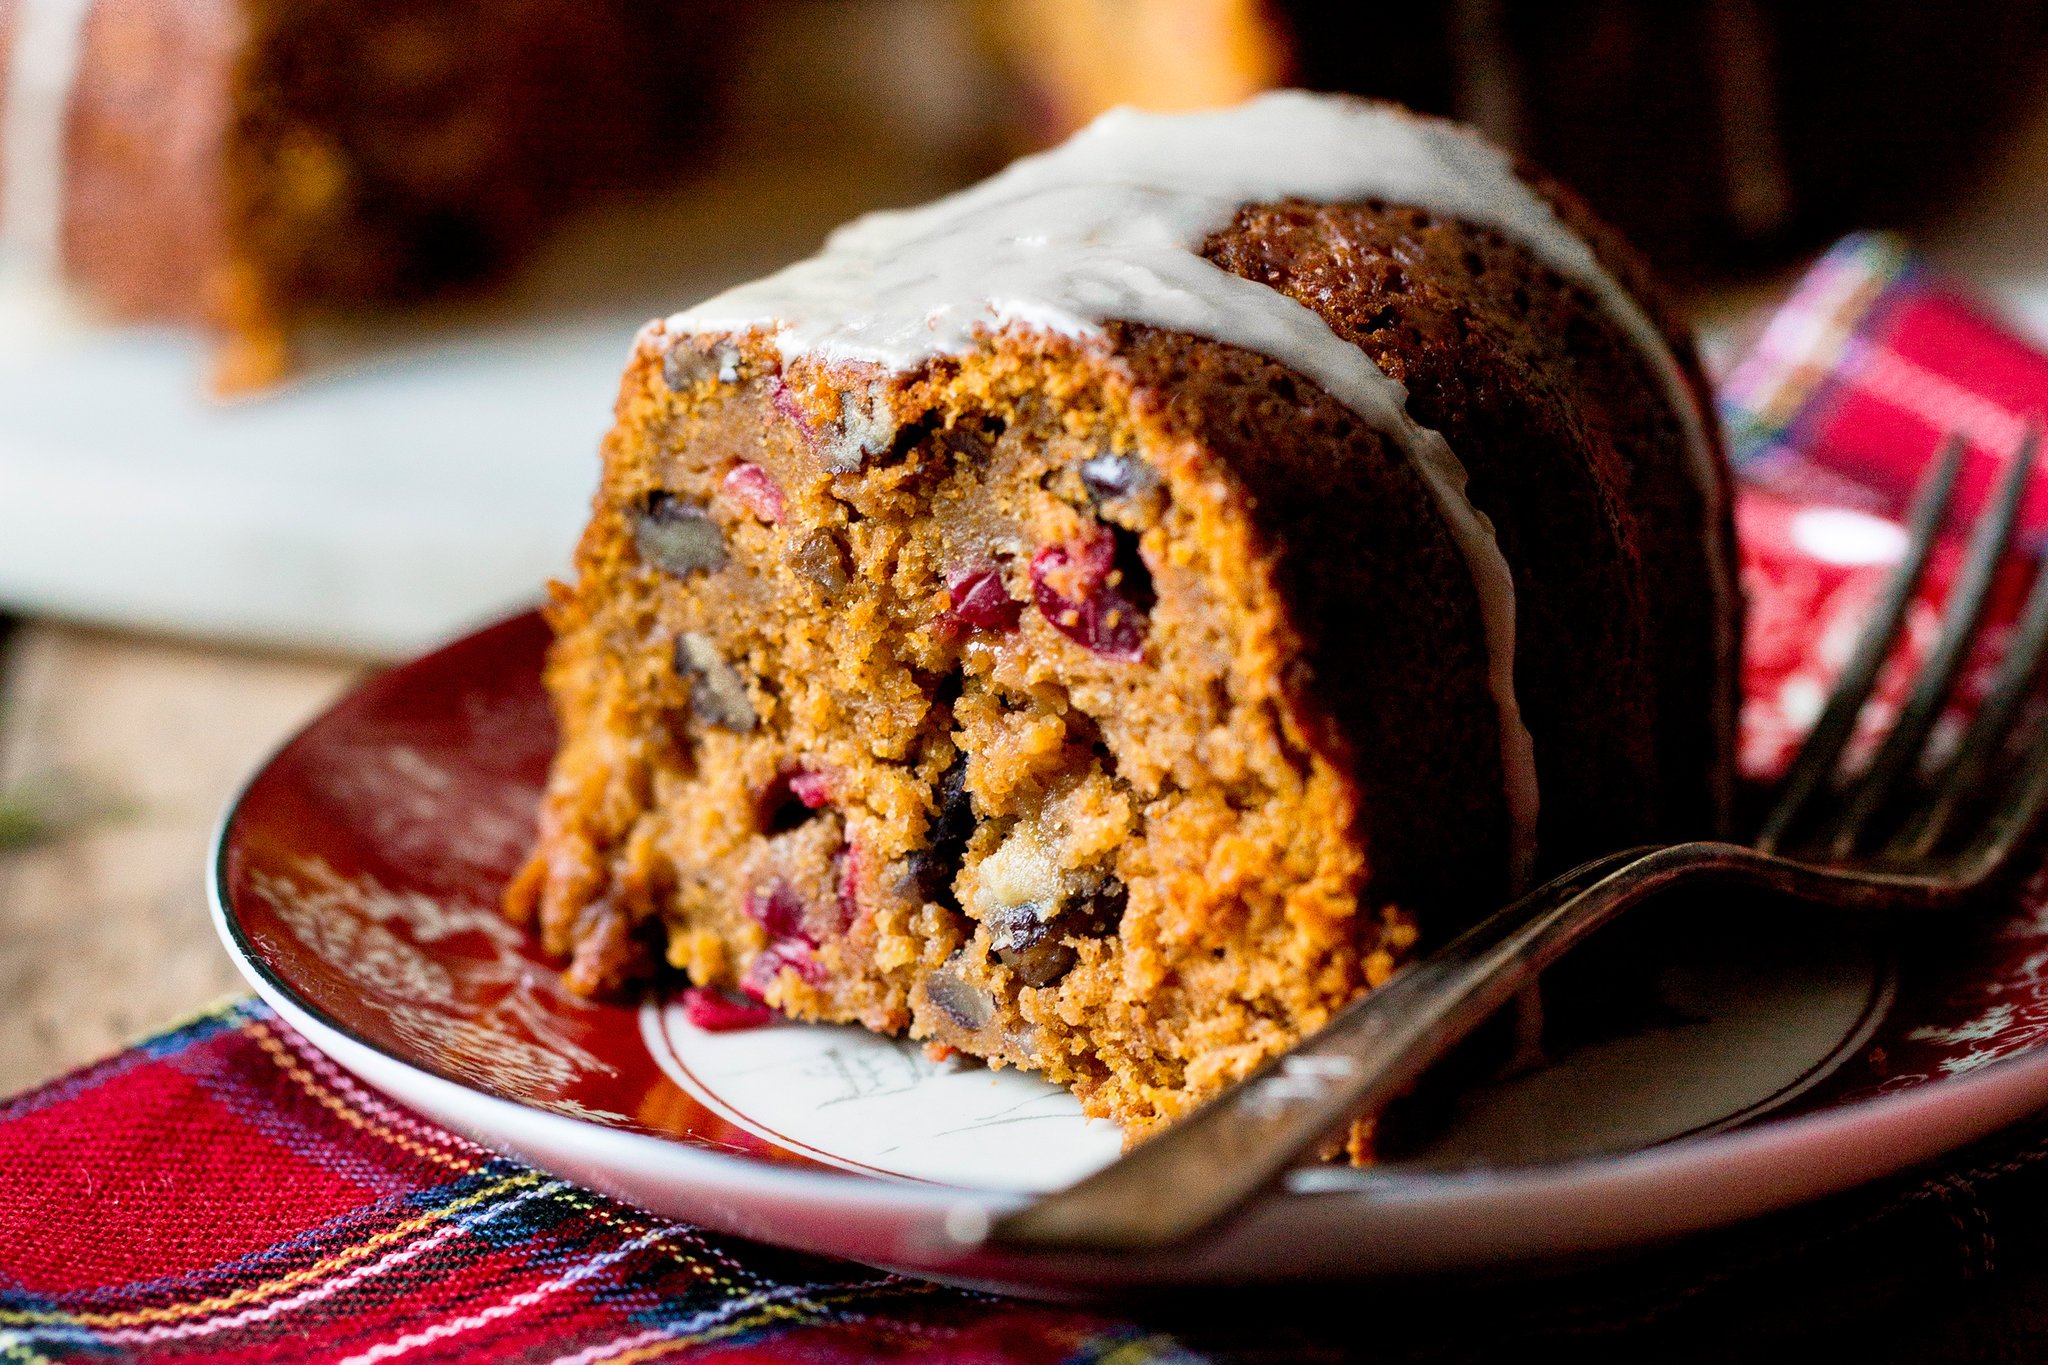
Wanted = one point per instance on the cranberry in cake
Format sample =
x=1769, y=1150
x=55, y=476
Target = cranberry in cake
x=1105, y=620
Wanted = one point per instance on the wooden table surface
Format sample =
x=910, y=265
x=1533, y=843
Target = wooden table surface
x=131, y=745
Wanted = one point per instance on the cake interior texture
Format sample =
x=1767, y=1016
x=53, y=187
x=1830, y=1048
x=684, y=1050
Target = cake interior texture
x=1116, y=706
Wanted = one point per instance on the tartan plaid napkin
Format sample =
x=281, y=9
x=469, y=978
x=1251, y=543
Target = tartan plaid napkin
x=1860, y=373
x=222, y=1192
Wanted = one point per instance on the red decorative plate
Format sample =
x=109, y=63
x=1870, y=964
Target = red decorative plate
x=356, y=882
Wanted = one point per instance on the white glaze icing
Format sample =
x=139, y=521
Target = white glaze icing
x=1109, y=226
x=35, y=109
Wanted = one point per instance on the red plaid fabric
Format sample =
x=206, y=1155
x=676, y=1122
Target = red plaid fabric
x=224, y=1193
x=1871, y=361
x=1831, y=417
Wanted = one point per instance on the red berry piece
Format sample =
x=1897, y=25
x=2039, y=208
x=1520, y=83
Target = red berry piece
x=779, y=912
x=980, y=600
x=784, y=400
x=1078, y=589
x=848, y=886
x=756, y=490
x=812, y=788
x=769, y=962
x=716, y=1012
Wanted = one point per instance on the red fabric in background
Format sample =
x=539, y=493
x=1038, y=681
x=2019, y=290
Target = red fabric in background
x=1871, y=361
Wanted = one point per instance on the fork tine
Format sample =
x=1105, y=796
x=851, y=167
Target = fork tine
x=1961, y=618
x=1815, y=763
x=2006, y=836
x=1988, y=731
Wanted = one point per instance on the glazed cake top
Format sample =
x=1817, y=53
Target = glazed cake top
x=1110, y=226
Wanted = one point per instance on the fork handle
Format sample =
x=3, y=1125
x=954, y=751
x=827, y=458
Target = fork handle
x=1212, y=1161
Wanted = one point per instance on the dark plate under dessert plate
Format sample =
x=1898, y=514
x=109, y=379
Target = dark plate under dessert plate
x=356, y=883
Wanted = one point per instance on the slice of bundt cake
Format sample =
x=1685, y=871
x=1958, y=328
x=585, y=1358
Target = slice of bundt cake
x=1105, y=620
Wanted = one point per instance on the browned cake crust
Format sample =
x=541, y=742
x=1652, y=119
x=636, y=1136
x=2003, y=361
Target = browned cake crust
x=1125, y=712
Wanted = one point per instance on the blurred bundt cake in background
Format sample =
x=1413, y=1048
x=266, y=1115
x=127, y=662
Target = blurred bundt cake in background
x=1716, y=133
x=242, y=163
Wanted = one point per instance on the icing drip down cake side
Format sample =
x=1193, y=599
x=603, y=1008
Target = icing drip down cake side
x=1105, y=620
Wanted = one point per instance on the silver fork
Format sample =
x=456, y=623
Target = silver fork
x=1885, y=840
